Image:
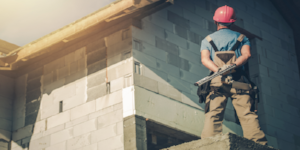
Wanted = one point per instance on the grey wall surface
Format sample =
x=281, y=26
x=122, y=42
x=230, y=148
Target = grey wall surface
x=91, y=115
x=6, y=111
x=168, y=47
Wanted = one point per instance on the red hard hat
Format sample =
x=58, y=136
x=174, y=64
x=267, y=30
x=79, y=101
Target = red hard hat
x=224, y=14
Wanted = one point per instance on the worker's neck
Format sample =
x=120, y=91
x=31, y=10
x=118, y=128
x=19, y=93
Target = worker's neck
x=222, y=27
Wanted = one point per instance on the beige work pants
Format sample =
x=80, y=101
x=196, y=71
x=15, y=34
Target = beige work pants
x=241, y=102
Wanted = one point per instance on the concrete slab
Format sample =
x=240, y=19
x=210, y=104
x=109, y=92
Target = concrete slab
x=226, y=141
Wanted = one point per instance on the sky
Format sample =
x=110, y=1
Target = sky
x=23, y=21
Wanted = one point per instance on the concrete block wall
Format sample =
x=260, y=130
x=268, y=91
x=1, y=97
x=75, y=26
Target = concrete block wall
x=167, y=51
x=6, y=110
x=74, y=102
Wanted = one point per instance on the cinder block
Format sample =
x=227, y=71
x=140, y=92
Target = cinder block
x=83, y=110
x=109, y=100
x=89, y=147
x=58, y=119
x=200, y=70
x=79, y=141
x=59, y=146
x=177, y=19
x=268, y=63
x=288, y=90
x=5, y=135
x=144, y=58
x=277, y=76
x=96, y=55
x=192, y=57
x=283, y=144
x=22, y=133
x=56, y=64
x=35, y=73
x=160, y=21
x=76, y=76
x=174, y=60
x=202, y=31
x=53, y=130
x=32, y=107
x=179, y=84
x=155, y=74
x=116, y=84
x=194, y=37
x=275, y=57
x=120, y=69
x=85, y=127
x=39, y=127
x=153, y=29
x=171, y=37
x=154, y=52
x=76, y=121
x=110, y=118
x=181, y=31
x=145, y=82
x=40, y=143
x=104, y=133
x=189, y=77
x=61, y=136
x=192, y=17
x=111, y=143
x=203, y=12
x=101, y=112
x=96, y=92
x=97, y=44
x=96, y=67
x=194, y=48
x=166, y=46
x=167, y=68
x=143, y=35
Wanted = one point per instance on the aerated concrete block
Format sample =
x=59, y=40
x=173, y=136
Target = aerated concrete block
x=145, y=82
x=61, y=136
x=40, y=143
x=110, y=118
x=169, y=91
x=58, y=119
x=116, y=84
x=111, y=143
x=104, y=133
x=79, y=141
x=85, y=127
x=109, y=100
x=59, y=146
x=22, y=133
x=222, y=142
x=171, y=37
x=83, y=110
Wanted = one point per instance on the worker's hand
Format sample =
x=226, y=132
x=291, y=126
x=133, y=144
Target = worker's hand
x=223, y=68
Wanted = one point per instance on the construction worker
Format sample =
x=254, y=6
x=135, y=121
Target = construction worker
x=225, y=47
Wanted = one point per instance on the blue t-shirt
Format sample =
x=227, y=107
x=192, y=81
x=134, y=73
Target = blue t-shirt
x=224, y=40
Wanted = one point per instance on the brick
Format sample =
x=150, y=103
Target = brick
x=96, y=55
x=96, y=92
x=109, y=100
x=111, y=143
x=36, y=73
x=166, y=46
x=110, y=118
x=53, y=130
x=40, y=143
x=58, y=119
x=179, y=20
x=145, y=82
x=171, y=37
x=116, y=84
x=143, y=35
x=61, y=136
x=85, y=127
x=39, y=127
x=59, y=146
x=22, y=133
x=83, y=110
x=95, y=45
x=96, y=67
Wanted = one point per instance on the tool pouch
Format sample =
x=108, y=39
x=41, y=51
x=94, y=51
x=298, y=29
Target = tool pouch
x=203, y=91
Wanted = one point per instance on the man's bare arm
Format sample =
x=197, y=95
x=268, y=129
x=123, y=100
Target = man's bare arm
x=207, y=62
x=245, y=51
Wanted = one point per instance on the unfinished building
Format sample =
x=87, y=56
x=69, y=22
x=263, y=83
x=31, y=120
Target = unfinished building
x=122, y=78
